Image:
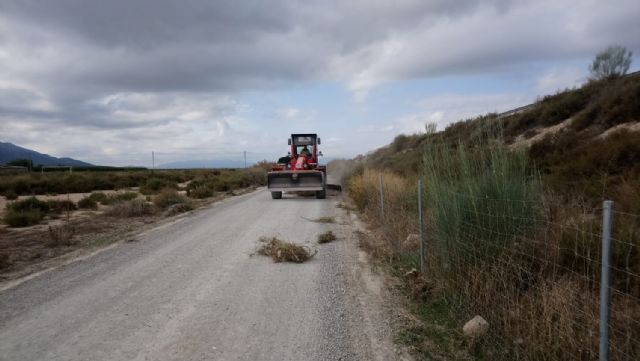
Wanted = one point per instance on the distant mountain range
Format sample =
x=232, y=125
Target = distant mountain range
x=9, y=152
x=204, y=163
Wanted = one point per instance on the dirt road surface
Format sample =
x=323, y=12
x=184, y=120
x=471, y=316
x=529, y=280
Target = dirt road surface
x=192, y=290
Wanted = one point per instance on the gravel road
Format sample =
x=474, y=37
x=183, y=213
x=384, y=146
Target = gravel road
x=192, y=290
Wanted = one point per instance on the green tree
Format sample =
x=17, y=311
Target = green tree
x=612, y=62
x=21, y=162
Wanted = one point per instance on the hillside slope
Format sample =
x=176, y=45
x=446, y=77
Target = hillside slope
x=9, y=152
x=585, y=141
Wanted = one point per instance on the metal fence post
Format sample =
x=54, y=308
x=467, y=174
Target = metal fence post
x=421, y=224
x=381, y=197
x=605, y=302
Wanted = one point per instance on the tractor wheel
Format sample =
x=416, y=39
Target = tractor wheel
x=321, y=194
x=276, y=195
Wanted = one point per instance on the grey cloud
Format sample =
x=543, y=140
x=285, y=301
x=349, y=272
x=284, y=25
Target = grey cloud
x=127, y=65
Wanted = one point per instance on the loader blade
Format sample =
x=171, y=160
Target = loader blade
x=293, y=181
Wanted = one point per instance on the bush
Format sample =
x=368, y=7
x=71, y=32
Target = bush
x=177, y=209
x=119, y=197
x=98, y=197
x=27, y=204
x=60, y=236
x=326, y=237
x=132, y=208
x=87, y=203
x=11, y=195
x=200, y=191
x=23, y=218
x=60, y=206
x=154, y=185
x=487, y=192
x=168, y=197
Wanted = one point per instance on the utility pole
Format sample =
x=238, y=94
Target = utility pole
x=153, y=160
x=245, y=159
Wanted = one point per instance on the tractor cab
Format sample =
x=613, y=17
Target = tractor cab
x=299, y=171
x=305, y=145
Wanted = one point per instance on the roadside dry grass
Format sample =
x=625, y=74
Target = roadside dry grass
x=283, y=251
x=58, y=237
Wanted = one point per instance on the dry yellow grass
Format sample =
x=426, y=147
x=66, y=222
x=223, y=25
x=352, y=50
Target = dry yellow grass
x=283, y=251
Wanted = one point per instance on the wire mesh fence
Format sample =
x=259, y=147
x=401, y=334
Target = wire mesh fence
x=532, y=268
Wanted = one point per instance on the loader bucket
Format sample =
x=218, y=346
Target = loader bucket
x=294, y=181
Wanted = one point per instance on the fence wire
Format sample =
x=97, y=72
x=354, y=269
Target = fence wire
x=531, y=269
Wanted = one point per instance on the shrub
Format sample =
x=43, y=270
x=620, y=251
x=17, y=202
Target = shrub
x=132, y=208
x=87, y=203
x=60, y=206
x=23, y=218
x=119, y=197
x=486, y=192
x=98, y=197
x=31, y=203
x=154, y=185
x=326, y=237
x=177, y=209
x=61, y=236
x=11, y=195
x=168, y=197
x=200, y=191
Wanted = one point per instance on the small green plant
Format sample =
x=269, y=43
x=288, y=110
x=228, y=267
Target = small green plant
x=23, y=218
x=132, y=208
x=154, y=185
x=11, y=195
x=61, y=205
x=98, y=197
x=201, y=191
x=87, y=203
x=30, y=203
x=168, y=197
x=326, y=237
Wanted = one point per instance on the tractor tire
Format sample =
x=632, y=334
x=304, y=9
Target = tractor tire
x=276, y=195
x=321, y=194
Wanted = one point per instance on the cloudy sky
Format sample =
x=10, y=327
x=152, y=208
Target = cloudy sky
x=110, y=81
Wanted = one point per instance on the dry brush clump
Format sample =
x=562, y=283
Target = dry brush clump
x=87, y=203
x=168, y=197
x=283, y=251
x=132, y=208
x=325, y=220
x=326, y=237
x=60, y=236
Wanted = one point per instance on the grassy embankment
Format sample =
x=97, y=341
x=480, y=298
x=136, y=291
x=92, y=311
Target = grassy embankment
x=513, y=226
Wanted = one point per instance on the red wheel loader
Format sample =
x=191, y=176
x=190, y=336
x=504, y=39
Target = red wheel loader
x=300, y=170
